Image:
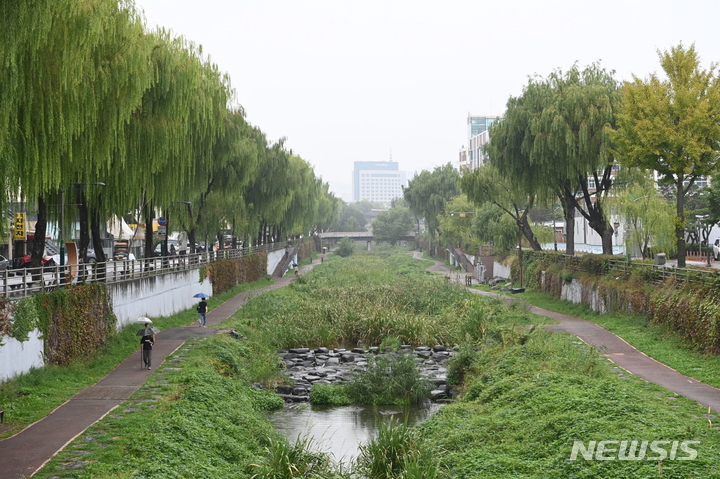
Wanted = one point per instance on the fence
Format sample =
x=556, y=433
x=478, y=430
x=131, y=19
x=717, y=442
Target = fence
x=651, y=273
x=21, y=283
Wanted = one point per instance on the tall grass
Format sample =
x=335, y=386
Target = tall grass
x=389, y=379
x=396, y=452
x=363, y=300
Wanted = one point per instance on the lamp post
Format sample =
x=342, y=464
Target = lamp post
x=616, y=227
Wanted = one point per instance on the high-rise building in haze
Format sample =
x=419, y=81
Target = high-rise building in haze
x=379, y=181
x=472, y=156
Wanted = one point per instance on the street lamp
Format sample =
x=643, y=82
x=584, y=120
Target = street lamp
x=616, y=227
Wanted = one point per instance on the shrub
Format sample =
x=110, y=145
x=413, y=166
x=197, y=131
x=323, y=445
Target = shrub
x=330, y=394
x=345, y=248
x=396, y=452
x=389, y=379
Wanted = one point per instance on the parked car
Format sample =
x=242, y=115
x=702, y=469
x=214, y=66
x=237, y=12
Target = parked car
x=716, y=250
x=24, y=261
x=4, y=263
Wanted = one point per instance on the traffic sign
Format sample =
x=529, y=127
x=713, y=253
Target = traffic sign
x=162, y=221
x=162, y=230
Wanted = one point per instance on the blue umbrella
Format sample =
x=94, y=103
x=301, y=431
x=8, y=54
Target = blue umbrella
x=201, y=296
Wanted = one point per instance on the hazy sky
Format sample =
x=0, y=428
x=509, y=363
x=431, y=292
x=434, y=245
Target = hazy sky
x=366, y=80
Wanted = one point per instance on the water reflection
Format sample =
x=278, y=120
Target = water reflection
x=340, y=430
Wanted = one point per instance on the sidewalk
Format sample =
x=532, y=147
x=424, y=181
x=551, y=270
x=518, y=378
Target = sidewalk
x=616, y=350
x=26, y=452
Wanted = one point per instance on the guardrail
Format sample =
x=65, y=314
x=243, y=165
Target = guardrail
x=651, y=273
x=24, y=282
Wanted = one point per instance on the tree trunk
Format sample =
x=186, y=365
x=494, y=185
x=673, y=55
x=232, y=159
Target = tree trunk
x=147, y=212
x=38, y=246
x=569, y=231
x=84, y=226
x=527, y=231
x=95, y=221
x=191, y=241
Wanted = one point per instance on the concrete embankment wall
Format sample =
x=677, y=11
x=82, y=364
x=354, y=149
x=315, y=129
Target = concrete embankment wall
x=153, y=296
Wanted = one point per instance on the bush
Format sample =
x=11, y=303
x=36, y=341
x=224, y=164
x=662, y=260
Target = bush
x=345, y=248
x=330, y=394
x=389, y=379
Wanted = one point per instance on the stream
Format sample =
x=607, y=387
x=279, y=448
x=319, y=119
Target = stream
x=339, y=431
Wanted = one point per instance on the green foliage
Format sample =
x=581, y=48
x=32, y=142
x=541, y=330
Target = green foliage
x=6, y=308
x=226, y=274
x=284, y=460
x=392, y=378
x=25, y=319
x=75, y=321
x=389, y=226
x=397, y=452
x=670, y=125
x=555, y=390
x=352, y=216
x=362, y=299
x=345, y=248
x=330, y=394
x=428, y=192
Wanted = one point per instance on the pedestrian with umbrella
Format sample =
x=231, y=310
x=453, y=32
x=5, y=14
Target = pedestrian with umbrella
x=202, y=308
x=147, y=341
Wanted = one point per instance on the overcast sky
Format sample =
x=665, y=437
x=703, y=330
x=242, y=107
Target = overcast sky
x=360, y=80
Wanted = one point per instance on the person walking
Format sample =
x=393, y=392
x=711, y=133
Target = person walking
x=147, y=342
x=202, y=310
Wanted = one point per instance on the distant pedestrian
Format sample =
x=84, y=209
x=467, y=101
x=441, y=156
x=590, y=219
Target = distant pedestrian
x=202, y=310
x=147, y=342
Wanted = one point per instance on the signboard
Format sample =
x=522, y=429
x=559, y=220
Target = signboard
x=20, y=227
x=162, y=231
x=162, y=221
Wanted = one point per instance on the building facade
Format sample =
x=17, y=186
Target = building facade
x=472, y=156
x=379, y=181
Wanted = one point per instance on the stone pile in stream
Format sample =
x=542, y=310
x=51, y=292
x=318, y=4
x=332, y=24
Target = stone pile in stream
x=306, y=367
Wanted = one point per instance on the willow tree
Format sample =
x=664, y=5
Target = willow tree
x=235, y=162
x=304, y=194
x=553, y=144
x=267, y=194
x=672, y=126
x=484, y=185
x=179, y=120
x=328, y=209
x=428, y=192
x=73, y=72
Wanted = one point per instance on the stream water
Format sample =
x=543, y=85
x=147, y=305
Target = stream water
x=339, y=431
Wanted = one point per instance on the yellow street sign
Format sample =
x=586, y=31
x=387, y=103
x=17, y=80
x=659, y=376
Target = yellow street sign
x=20, y=229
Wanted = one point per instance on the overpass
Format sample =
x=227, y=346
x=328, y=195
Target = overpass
x=333, y=237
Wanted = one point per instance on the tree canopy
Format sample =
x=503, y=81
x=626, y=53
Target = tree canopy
x=672, y=126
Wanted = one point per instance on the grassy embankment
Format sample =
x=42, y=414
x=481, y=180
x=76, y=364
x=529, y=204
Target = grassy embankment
x=32, y=396
x=528, y=394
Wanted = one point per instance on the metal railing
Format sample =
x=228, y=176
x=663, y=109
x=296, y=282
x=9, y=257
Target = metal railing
x=650, y=273
x=24, y=282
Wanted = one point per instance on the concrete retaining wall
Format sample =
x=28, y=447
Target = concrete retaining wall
x=153, y=296
x=18, y=358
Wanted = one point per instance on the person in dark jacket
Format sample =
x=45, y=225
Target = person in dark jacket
x=147, y=342
x=202, y=310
